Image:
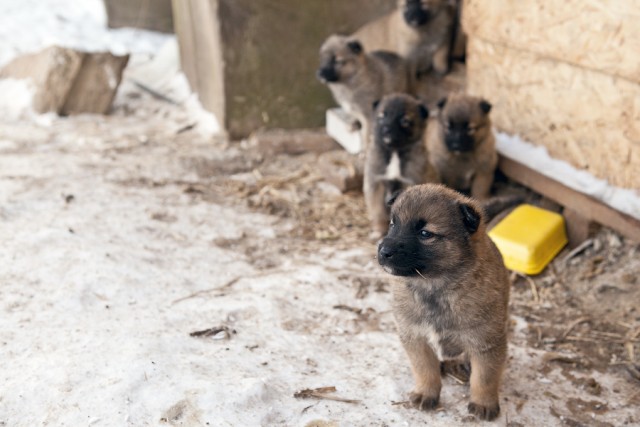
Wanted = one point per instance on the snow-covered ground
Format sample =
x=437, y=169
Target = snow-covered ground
x=110, y=261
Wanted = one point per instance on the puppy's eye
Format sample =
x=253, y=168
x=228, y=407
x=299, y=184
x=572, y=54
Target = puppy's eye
x=425, y=234
x=405, y=122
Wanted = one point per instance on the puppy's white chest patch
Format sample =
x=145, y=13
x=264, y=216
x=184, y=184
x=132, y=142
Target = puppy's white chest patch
x=426, y=331
x=394, y=169
x=434, y=340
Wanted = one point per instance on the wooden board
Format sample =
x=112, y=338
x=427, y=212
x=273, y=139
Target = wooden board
x=599, y=35
x=586, y=118
x=586, y=206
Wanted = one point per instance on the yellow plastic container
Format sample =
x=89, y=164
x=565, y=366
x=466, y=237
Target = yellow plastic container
x=529, y=238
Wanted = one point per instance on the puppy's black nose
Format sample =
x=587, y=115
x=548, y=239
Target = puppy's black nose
x=326, y=75
x=386, y=252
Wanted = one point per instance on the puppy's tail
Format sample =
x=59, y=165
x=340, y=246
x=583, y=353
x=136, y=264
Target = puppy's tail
x=493, y=206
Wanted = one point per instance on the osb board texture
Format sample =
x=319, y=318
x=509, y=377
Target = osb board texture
x=602, y=35
x=270, y=51
x=587, y=118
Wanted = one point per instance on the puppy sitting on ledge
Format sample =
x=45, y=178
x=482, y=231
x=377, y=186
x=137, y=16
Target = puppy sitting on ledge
x=451, y=293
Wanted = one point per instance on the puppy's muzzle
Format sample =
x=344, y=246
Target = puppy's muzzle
x=415, y=16
x=459, y=141
x=327, y=75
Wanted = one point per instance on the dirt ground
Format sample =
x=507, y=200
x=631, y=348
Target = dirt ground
x=155, y=276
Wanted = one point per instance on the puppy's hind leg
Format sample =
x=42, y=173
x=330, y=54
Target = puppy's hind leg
x=426, y=372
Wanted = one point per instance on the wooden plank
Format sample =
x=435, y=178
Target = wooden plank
x=586, y=206
x=197, y=26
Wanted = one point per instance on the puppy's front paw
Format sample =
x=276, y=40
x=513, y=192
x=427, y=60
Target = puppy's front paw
x=423, y=401
x=487, y=413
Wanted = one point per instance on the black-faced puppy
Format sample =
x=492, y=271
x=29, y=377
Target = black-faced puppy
x=396, y=157
x=357, y=79
x=420, y=31
x=451, y=292
x=461, y=144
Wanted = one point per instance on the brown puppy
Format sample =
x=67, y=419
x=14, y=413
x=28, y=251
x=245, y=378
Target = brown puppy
x=461, y=145
x=451, y=292
x=418, y=30
x=396, y=157
x=357, y=79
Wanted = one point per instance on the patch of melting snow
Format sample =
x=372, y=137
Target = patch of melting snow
x=16, y=100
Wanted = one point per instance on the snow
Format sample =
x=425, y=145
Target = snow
x=82, y=25
x=538, y=158
x=79, y=24
x=16, y=99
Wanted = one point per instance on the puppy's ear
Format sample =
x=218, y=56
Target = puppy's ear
x=392, y=198
x=375, y=104
x=424, y=111
x=485, y=106
x=442, y=103
x=355, y=46
x=470, y=218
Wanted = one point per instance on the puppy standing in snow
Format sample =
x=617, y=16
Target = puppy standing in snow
x=397, y=155
x=451, y=292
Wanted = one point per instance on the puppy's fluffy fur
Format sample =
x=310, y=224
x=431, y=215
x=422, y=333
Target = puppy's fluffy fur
x=451, y=292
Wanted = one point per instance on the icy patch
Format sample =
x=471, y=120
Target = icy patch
x=538, y=158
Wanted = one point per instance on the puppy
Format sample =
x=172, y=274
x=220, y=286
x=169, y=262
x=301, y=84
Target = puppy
x=357, y=79
x=396, y=157
x=451, y=292
x=461, y=145
x=418, y=30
